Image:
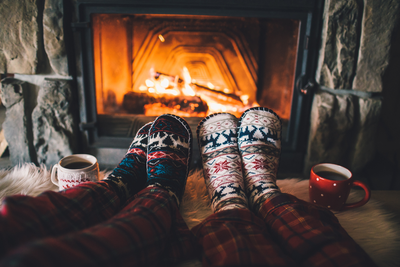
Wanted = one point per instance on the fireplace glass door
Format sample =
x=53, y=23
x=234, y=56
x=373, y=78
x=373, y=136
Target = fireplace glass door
x=192, y=66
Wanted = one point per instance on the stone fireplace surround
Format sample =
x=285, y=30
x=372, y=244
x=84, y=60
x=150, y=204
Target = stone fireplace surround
x=356, y=52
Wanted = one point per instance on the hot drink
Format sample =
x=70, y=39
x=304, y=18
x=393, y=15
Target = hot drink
x=78, y=165
x=330, y=185
x=75, y=169
x=331, y=175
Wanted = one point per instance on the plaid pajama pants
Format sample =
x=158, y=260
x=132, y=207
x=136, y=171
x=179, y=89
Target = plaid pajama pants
x=287, y=232
x=85, y=226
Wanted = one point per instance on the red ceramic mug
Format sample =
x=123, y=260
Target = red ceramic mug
x=330, y=186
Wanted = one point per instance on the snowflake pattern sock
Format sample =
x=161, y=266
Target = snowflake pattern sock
x=169, y=154
x=259, y=141
x=222, y=165
x=129, y=177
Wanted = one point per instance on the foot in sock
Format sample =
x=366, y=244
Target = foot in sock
x=222, y=165
x=169, y=154
x=259, y=141
x=129, y=177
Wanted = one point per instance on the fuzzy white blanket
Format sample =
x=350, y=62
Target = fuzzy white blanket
x=375, y=229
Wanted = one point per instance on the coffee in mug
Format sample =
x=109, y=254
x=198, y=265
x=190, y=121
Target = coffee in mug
x=332, y=176
x=330, y=186
x=75, y=169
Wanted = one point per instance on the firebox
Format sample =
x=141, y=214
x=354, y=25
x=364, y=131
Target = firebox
x=194, y=58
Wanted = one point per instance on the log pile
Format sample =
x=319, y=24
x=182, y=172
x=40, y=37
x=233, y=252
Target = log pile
x=152, y=104
x=136, y=103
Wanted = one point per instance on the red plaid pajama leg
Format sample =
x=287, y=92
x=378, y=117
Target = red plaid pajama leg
x=237, y=237
x=311, y=235
x=25, y=218
x=148, y=230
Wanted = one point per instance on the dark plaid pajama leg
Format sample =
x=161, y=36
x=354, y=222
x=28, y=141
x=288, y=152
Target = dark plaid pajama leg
x=25, y=218
x=311, y=235
x=148, y=230
x=237, y=237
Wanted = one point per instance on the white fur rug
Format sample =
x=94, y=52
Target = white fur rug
x=375, y=229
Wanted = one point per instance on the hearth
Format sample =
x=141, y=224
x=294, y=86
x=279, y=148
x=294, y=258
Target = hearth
x=140, y=60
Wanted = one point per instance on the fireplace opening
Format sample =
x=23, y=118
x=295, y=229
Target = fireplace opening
x=193, y=66
x=140, y=60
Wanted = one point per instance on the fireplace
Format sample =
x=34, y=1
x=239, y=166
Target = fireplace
x=140, y=60
x=192, y=66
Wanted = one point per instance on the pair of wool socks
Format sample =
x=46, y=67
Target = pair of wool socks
x=158, y=156
x=240, y=158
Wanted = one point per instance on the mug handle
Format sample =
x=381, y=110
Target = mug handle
x=53, y=175
x=364, y=200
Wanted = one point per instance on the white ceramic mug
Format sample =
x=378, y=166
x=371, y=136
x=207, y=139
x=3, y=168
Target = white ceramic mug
x=75, y=169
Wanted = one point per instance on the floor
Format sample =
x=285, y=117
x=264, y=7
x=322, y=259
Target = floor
x=389, y=199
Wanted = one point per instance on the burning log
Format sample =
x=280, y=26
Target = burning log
x=140, y=103
x=218, y=96
x=163, y=92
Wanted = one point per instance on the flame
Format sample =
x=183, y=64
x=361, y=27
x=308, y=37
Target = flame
x=162, y=39
x=164, y=83
x=161, y=85
x=149, y=83
x=187, y=90
x=245, y=99
x=186, y=75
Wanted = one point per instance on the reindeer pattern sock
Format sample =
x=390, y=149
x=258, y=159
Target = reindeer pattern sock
x=259, y=141
x=129, y=177
x=169, y=154
x=222, y=165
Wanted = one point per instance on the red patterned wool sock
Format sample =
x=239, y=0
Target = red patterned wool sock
x=129, y=177
x=259, y=141
x=168, y=154
x=222, y=165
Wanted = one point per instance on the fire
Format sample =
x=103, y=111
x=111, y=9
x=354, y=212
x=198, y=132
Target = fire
x=185, y=97
x=222, y=64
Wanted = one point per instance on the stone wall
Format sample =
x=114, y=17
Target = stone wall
x=42, y=134
x=355, y=54
x=20, y=37
x=18, y=124
x=39, y=125
x=53, y=122
x=32, y=34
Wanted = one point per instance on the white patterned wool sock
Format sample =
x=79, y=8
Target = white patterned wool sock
x=222, y=165
x=259, y=141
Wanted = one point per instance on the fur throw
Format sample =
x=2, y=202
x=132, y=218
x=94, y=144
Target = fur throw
x=371, y=226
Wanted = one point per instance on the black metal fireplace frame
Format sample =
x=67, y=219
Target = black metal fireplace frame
x=308, y=12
